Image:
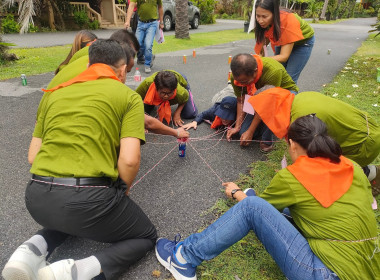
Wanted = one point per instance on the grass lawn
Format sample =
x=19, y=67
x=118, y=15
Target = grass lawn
x=356, y=84
x=42, y=60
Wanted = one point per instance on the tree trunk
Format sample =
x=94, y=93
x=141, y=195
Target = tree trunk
x=335, y=13
x=182, y=20
x=50, y=15
x=58, y=12
x=323, y=14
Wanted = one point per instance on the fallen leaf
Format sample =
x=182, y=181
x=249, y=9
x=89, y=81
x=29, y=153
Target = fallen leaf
x=156, y=273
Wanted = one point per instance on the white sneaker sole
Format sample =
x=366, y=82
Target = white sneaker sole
x=18, y=271
x=173, y=271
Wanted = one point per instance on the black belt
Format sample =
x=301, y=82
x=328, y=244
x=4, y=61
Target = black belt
x=90, y=181
x=148, y=20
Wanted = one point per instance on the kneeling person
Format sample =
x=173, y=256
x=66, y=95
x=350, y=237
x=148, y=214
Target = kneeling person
x=166, y=88
x=88, y=134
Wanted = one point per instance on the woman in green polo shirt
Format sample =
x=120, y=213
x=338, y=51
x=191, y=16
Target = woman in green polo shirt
x=329, y=198
x=291, y=37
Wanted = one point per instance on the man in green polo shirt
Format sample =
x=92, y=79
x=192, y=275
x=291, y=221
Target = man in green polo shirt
x=248, y=74
x=87, y=135
x=146, y=28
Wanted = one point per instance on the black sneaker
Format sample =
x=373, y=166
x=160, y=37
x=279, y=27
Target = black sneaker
x=141, y=62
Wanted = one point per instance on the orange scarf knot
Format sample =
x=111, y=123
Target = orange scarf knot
x=153, y=98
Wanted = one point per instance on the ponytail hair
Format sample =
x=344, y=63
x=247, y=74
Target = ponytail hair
x=311, y=134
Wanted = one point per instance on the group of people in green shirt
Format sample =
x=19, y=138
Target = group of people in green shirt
x=85, y=154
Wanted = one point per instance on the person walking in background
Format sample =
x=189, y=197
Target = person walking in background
x=329, y=199
x=146, y=28
x=291, y=37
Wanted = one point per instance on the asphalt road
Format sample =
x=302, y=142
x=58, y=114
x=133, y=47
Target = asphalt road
x=175, y=193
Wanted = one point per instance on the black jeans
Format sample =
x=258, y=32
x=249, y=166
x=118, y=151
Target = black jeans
x=100, y=214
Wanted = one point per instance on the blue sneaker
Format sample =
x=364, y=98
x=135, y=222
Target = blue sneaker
x=165, y=253
x=250, y=192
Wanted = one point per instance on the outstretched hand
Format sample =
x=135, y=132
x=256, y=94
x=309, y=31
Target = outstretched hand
x=229, y=187
x=246, y=138
x=193, y=124
x=231, y=132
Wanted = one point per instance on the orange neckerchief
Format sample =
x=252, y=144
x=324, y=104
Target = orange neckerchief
x=92, y=73
x=153, y=98
x=290, y=32
x=273, y=106
x=90, y=43
x=216, y=123
x=325, y=180
x=251, y=88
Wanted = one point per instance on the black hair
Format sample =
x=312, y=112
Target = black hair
x=125, y=36
x=108, y=52
x=274, y=7
x=129, y=52
x=166, y=79
x=243, y=63
x=311, y=134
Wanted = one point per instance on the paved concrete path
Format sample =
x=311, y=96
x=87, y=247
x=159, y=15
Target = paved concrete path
x=179, y=190
x=36, y=40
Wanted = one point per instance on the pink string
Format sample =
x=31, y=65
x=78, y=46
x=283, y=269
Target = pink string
x=206, y=163
x=153, y=167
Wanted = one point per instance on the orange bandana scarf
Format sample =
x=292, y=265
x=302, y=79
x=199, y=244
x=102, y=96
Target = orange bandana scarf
x=216, y=123
x=273, y=106
x=290, y=32
x=92, y=73
x=153, y=98
x=251, y=88
x=325, y=181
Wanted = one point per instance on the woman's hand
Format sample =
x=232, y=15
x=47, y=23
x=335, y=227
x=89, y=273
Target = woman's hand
x=193, y=124
x=177, y=119
x=229, y=187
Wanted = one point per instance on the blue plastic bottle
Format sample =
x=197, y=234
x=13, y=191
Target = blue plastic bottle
x=182, y=149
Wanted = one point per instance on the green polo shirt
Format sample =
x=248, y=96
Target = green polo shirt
x=355, y=131
x=307, y=30
x=350, y=218
x=273, y=74
x=182, y=94
x=81, y=126
x=147, y=9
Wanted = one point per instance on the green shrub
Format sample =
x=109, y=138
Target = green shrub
x=225, y=16
x=81, y=18
x=93, y=25
x=207, y=8
x=9, y=25
x=33, y=28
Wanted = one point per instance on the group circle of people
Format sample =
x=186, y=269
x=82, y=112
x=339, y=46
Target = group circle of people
x=85, y=154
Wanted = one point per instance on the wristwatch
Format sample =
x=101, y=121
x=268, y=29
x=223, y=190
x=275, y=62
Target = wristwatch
x=234, y=191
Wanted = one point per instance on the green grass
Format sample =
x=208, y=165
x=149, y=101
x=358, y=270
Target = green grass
x=42, y=60
x=247, y=259
x=331, y=21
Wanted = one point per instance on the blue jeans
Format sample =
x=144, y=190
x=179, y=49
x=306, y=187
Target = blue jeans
x=190, y=110
x=284, y=243
x=145, y=35
x=298, y=58
x=262, y=132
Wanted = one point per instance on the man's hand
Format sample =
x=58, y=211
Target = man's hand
x=127, y=25
x=161, y=25
x=246, y=138
x=229, y=187
x=177, y=120
x=231, y=132
x=193, y=124
x=181, y=133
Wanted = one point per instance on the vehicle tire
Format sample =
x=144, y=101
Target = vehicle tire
x=195, y=22
x=167, y=22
